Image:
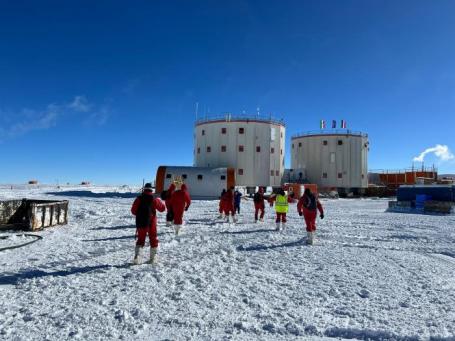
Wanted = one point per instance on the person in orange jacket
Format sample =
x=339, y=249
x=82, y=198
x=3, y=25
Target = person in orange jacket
x=168, y=196
x=227, y=203
x=307, y=207
x=259, y=205
x=144, y=208
x=220, y=204
x=180, y=202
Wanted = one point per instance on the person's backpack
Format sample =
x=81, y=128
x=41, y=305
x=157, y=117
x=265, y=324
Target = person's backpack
x=145, y=211
x=311, y=202
x=257, y=197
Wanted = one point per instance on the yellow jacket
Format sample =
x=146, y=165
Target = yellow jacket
x=281, y=204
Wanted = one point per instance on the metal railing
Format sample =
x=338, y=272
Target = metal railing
x=330, y=132
x=404, y=170
x=231, y=117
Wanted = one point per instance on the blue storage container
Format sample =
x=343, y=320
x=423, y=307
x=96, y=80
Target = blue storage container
x=436, y=192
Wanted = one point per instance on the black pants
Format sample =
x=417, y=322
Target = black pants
x=169, y=215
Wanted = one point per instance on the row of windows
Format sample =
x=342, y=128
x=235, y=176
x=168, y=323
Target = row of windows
x=324, y=175
x=324, y=143
x=339, y=175
x=199, y=176
x=224, y=131
x=241, y=149
x=272, y=172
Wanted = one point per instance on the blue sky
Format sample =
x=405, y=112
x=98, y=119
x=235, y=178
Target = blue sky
x=106, y=90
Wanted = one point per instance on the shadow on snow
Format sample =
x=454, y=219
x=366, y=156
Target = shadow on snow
x=111, y=228
x=248, y=231
x=31, y=274
x=296, y=243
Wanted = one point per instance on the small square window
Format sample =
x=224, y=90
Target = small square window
x=277, y=173
x=340, y=175
x=199, y=150
x=324, y=142
x=184, y=176
x=240, y=171
x=168, y=176
x=223, y=130
x=223, y=177
x=272, y=150
x=241, y=130
x=363, y=176
x=258, y=149
x=293, y=146
x=324, y=175
x=223, y=149
x=272, y=172
x=300, y=144
x=203, y=132
x=209, y=149
x=241, y=149
x=340, y=142
x=199, y=177
x=281, y=151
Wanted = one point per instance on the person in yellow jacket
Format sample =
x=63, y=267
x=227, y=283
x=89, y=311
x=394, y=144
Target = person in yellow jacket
x=281, y=208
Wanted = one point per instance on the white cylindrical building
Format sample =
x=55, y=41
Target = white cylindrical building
x=254, y=146
x=331, y=160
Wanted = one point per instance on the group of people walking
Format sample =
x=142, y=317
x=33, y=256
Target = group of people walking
x=177, y=200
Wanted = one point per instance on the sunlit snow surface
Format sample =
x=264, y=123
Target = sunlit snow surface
x=371, y=275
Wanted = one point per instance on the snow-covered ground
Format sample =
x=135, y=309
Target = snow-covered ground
x=372, y=275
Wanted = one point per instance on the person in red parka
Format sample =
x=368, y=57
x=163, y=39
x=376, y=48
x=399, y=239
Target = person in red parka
x=259, y=205
x=144, y=208
x=220, y=205
x=307, y=207
x=227, y=204
x=169, y=215
x=180, y=202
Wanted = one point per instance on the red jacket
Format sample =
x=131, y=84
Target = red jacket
x=157, y=204
x=261, y=202
x=170, y=191
x=303, y=203
x=180, y=200
x=227, y=201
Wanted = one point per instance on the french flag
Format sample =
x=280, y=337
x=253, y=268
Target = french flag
x=343, y=124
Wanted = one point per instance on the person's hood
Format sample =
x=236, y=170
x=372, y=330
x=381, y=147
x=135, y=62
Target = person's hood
x=171, y=188
x=184, y=188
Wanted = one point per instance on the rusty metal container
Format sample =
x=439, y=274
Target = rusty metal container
x=32, y=215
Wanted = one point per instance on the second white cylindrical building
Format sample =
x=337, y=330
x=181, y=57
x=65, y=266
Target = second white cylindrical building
x=331, y=159
x=255, y=147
